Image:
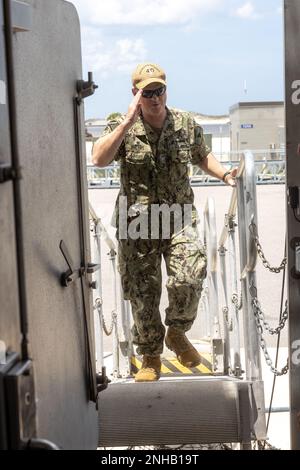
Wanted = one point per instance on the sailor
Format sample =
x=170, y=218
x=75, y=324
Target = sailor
x=155, y=146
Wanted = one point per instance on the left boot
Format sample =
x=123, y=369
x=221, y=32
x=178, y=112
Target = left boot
x=186, y=354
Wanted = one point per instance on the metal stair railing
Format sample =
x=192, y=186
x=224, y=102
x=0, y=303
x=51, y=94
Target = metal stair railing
x=243, y=202
x=211, y=312
x=121, y=337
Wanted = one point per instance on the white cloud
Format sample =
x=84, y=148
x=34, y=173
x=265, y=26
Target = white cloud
x=247, y=11
x=100, y=55
x=142, y=12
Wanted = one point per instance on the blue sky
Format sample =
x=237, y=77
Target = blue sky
x=208, y=49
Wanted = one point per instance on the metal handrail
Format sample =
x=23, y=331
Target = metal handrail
x=210, y=240
x=268, y=172
x=247, y=168
x=122, y=314
x=230, y=214
x=243, y=204
x=211, y=243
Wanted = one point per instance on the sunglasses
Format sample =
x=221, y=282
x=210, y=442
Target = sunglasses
x=157, y=92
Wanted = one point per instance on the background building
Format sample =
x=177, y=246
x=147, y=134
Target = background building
x=217, y=134
x=257, y=126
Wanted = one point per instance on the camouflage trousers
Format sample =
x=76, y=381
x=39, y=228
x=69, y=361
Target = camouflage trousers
x=139, y=264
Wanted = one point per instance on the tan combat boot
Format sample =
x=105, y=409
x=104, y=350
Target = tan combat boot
x=150, y=370
x=186, y=354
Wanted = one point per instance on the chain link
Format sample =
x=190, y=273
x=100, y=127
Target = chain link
x=259, y=314
x=276, y=270
x=262, y=324
x=107, y=331
x=264, y=445
x=235, y=300
x=228, y=319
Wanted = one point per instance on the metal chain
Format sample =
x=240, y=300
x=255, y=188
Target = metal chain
x=269, y=361
x=107, y=331
x=260, y=316
x=235, y=300
x=228, y=319
x=264, y=445
x=261, y=324
x=254, y=233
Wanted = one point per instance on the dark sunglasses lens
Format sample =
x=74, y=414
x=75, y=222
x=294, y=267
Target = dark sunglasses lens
x=147, y=94
x=161, y=91
x=151, y=93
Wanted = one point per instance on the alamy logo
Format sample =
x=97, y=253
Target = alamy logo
x=2, y=92
x=296, y=352
x=2, y=353
x=153, y=222
x=296, y=94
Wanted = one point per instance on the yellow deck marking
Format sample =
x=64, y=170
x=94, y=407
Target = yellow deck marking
x=174, y=363
x=180, y=367
x=137, y=363
x=202, y=368
x=165, y=370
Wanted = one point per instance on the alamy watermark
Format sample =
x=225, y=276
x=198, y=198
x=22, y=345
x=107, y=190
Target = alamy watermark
x=296, y=352
x=156, y=221
x=2, y=353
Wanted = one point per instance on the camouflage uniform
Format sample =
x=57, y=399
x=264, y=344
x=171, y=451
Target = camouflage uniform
x=154, y=170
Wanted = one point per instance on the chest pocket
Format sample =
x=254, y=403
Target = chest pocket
x=181, y=159
x=138, y=171
x=137, y=158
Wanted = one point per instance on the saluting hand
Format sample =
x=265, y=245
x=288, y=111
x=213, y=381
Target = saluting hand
x=134, y=109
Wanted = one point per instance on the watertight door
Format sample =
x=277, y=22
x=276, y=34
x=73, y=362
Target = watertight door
x=47, y=66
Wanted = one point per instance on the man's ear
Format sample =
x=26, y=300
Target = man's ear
x=134, y=91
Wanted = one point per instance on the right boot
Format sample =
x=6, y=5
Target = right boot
x=150, y=371
x=186, y=354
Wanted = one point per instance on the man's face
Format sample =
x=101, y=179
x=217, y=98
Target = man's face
x=156, y=104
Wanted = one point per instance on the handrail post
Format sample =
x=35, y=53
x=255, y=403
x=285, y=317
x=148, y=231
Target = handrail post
x=247, y=211
x=98, y=293
x=211, y=246
x=126, y=324
x=116, y=352
x=233, y=309
x=232, y=286
x=226, y=318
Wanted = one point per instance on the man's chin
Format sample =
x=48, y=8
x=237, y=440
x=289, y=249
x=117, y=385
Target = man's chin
x=156, y=109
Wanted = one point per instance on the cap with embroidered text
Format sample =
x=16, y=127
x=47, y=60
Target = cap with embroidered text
x=146, y=74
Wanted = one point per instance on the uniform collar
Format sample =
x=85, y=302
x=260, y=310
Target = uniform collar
x=173, y=120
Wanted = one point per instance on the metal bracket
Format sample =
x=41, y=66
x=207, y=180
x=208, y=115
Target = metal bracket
x=8, y=173
x=217, y=348
x=72, y=274
x=86, y=88
x=17, y=394
x=102, y=381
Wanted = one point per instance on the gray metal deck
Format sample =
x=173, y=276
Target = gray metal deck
x=175, y=411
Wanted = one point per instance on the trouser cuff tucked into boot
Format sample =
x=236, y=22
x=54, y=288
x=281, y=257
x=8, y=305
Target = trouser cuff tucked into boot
x=186, y=354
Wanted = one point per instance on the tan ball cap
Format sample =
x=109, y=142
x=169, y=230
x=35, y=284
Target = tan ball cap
x=148, y=73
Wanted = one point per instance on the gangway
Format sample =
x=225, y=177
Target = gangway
x=226, y=403
x=217, y=402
